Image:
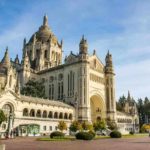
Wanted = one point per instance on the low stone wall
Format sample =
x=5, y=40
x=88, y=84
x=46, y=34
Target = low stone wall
x=2, y=147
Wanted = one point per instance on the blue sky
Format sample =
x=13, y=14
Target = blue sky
x=122, y=26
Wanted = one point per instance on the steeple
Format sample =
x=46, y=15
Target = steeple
x=129, y=97
x=45, y=20
x=6, y=60
x=83, y=46
x=17, y=59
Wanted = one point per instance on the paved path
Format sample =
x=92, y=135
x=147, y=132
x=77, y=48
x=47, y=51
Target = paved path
x=101, y=144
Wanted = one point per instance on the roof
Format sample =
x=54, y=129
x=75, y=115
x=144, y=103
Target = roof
x=43, y=101
x=123, y=113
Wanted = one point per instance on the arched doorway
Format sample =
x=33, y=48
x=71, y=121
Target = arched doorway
x=97, y=106
x=8, y=110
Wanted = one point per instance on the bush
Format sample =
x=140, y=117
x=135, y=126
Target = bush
x=115, y=134
x=57, y=134
x=84, y=136
x=131, y=132
x=92, y=132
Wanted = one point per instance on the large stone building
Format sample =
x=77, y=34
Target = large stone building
x=81, y=88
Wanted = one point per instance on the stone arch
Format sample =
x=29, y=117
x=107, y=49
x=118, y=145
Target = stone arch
x=44, y=114
x=56, y=115
x=50, y=115
x=98, y=107
x=70, y=116
x=25, y=112
x=32, y=113
x=65, y=116
x=38, y=113
x=60, y=115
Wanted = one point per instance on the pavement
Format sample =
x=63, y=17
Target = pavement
x=30, y=143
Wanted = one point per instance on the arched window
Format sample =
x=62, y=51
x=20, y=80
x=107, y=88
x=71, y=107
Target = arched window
x=70, y=116
x=61, y=115
x=32, y=113
x=56, y=115
x=45, y=54
x=25, y=112
x=44, y=114
x=50, y=115
x=66, y=116
x=38, y=114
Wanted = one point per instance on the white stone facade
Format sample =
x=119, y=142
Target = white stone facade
x=82, y=81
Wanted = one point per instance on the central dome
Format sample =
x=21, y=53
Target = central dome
x=44, y=33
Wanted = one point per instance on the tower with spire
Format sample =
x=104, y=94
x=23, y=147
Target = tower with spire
x=110, y=88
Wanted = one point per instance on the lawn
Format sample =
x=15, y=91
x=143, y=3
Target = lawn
x=72, y=138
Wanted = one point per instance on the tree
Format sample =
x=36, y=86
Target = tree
x=87, y=126
x=112, y=125
x=2, y=117
x=75, y=126
x=99, y=125
x=121, y=102
x=62, y=126
x=34, y=88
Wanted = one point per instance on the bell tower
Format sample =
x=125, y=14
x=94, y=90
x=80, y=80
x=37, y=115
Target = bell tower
x=110, y=88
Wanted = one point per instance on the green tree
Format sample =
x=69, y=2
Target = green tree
x=121, y=102
x=87, y=126
x=112, y=125
x=75, y=126
x=2, y=117
x=34, y=88
x=62, y=126
x=99, y=125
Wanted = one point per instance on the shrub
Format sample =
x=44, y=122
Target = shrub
x=115, y=134
x=84, y=136
x=99, y=125
x=92, y=132
x=62, y=126
x=131, y=132
x=57, y=134
x=75, y=126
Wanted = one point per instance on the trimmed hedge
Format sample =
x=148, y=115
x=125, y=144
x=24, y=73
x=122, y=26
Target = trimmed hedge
x=84, y=136
x=131, y=132
x=57, y=134
x=115, y=134
x=92, y=132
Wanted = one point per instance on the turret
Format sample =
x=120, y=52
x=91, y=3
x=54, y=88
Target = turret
x=6, y=60
x=25, y=61
x=83, y=46
x=109, y=64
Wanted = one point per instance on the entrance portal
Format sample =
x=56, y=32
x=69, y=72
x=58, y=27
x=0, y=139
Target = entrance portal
x=97, y=108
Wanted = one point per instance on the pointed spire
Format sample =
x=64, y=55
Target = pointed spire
x=6, y=60
x=17, y=59
x=129, y=96
x=94, y=52
x=45, y=20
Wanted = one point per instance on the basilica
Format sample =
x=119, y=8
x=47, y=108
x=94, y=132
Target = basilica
x=80, y=87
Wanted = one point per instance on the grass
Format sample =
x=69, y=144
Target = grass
x=134, y=135
x=72, y=138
